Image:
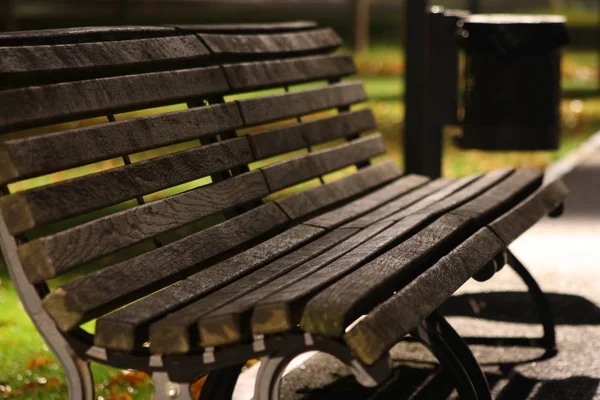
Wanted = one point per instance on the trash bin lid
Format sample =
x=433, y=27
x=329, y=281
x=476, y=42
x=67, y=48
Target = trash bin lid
x=509, y=34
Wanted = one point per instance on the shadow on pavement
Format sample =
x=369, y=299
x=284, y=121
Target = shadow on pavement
x=417, y=383
x=518, y=307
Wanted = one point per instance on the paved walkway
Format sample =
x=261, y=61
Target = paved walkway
x=564, y=256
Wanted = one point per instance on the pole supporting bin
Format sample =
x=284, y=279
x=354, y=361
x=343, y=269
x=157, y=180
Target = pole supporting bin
x=512, y=81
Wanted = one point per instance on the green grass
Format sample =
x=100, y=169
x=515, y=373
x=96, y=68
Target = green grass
x=30, y=369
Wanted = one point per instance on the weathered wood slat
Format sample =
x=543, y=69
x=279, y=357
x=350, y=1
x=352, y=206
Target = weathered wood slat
x=250, y=28
x=387, y=324
x=26, y=210
x=43, y=154
x=304, y=203
x=48, y=104
x=445, y=192
x=422, y=198
x=522, y=217
x=278, y=44
x=328, y=314
x=415, y=196
x=231, y=322
x=282, y=311
x=295, y=170
x=281, y=106
x=171, y=335
x=463, y=195
x=82, y=35
x=503, y=196
x=367, y=203
x=108, y=289
x=53, y=255
x=332, y=310
x=264, y=74
x=99, y=56
x=281, y=140
x=127, y=328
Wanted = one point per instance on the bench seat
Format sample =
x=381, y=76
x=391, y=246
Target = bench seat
x=393, y=249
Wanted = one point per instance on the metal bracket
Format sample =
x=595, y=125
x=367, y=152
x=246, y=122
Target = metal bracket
x=272, y=368
x=164, y=389
x=454, y=355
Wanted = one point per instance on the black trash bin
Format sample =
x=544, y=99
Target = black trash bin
x=512, y=82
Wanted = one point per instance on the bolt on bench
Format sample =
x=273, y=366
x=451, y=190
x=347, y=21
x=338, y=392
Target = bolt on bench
x=226, y=233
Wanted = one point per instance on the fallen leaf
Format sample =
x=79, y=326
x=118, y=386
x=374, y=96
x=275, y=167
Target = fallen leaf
x=37, y=363
x=120, y=396
x=197, y=386
x=53, y=382
x=133, y=378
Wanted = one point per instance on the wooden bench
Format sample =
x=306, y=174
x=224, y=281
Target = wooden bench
x=197, y=237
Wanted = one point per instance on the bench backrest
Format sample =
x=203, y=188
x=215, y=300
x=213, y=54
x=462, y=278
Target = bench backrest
x=90, y=182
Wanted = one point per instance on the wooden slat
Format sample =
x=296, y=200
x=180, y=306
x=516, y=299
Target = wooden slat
x=356, y=294
x=264, y=74
x=250, y=28
x=383, y=275
x=53, y=255
x=278, y=44
x=231, y=322
x=43, y=154
x=282, y=140
x=295, y=170
x=277, y=107
x=171, y=335
x=82, y=35
x=282, y=311
x=464, y=185
x=522, y=217
x=26, y=210
x=475, y=189
x=127, y=328
x=39, y=105
x=108, y=289
x=45, y=60
x=422, y=198
x=502, y=196
x=387, y=324
x=304, y=203
x=367, y=203
x=416, y=196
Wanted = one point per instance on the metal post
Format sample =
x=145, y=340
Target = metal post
x=8, y=20
x=422, y=142
x=360, y=24
x=443, y=66
x=598, y=43
x=122, y=11
x=474, y=6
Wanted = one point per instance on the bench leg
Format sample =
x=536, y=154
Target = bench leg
x=272, y=368
x=220, y=384
x=454, y=355
x=79, y=376
x=541, y=302
x=164, y=389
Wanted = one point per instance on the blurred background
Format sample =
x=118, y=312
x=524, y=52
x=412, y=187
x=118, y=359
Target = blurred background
x=374, y=30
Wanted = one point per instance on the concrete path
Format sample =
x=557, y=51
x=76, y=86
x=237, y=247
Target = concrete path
x=564, y=256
